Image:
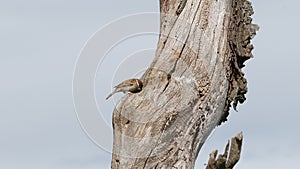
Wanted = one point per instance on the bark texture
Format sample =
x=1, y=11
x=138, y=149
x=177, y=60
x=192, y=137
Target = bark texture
x=194, y=77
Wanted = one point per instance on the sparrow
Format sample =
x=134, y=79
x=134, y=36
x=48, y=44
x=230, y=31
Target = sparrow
x=130, y=86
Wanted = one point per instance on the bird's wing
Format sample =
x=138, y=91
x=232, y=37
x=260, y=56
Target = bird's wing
x=121, y=85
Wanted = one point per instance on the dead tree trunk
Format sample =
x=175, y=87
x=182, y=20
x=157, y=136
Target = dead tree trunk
x=194, y=77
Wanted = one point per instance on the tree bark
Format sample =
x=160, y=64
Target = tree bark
x=189, y=87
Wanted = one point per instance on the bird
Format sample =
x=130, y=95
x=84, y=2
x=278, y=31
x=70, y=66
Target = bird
x=130, y=86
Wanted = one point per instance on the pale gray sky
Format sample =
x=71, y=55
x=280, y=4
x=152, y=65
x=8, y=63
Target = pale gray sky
x=41, y=39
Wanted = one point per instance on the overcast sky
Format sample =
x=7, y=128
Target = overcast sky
x=40, y=41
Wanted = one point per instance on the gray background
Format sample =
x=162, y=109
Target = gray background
x=41, y=40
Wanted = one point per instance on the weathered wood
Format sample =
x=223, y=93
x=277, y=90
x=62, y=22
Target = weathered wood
x=230, y=157
x=188, y=89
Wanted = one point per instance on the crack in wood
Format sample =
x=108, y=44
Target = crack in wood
x=169, y=79
x=181, y=6
x=174, y=67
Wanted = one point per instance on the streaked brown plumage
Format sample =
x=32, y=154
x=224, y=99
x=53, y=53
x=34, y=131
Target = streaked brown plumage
x=131, y=86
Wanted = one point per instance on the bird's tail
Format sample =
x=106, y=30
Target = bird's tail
x=112, y=93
